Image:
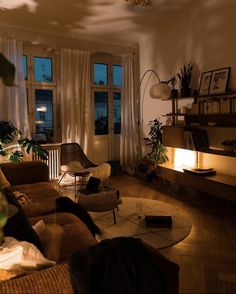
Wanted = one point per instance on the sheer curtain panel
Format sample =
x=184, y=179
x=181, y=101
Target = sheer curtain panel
x=13, y=100
x=129, y=116
x=76, y=98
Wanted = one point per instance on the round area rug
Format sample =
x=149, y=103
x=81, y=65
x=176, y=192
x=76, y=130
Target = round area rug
x=130, y=222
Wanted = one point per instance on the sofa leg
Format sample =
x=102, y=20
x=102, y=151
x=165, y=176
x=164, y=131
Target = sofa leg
x=114, y=216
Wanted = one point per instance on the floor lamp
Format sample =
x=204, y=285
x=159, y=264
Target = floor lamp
x=159, y=90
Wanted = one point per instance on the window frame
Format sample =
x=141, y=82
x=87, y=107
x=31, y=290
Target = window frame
x=31, y=86
x=110, y=88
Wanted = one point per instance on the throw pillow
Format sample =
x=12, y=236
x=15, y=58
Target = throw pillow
x=18, y=225
x=21, y=257
x=22, y=198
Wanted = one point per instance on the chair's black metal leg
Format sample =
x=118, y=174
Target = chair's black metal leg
x=114, y=216
x=62, y=176
x=75, y=188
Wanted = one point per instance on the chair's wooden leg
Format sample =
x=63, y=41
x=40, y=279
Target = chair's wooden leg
x=114, y=216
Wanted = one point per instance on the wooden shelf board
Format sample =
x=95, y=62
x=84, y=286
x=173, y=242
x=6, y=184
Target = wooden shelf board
x=221, y=185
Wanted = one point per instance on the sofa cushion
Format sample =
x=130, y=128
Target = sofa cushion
x=22, y=198
x=65, y=204
x=76, y=236
x=26, y=172
x=18, y=225
x=41, y=196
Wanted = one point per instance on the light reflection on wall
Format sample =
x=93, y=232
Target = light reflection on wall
x=14, y=4
x=185, y=158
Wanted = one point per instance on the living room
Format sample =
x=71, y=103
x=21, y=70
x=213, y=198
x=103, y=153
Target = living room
x=164, y=38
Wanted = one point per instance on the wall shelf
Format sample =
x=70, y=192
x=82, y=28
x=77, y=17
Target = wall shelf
x=221, y=119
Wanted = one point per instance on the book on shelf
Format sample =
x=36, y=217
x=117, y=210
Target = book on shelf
x=225, y=105
x=234, y=105
x=196, y=139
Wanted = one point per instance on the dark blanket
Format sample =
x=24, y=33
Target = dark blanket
x=65, y=204
x=122, y=266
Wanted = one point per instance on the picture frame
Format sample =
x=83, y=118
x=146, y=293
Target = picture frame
x=205, y=83
x=219, y=81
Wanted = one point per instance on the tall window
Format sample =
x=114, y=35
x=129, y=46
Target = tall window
x=106, y=85
x=39, y=72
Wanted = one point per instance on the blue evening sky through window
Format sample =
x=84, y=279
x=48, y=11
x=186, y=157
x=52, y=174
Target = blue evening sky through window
x=42, y=69
x=101, y=74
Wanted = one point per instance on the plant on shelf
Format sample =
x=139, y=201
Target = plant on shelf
x=9, y=134
x=185, y=78
x=158, y=151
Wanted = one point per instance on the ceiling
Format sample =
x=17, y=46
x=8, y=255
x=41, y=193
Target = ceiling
x=100, y=20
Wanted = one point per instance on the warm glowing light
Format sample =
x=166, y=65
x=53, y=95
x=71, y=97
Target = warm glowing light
x=13, y=4
x=42, y=108
x=185, y=158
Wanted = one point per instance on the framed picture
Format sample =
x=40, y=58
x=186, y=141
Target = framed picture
x=205, y=83
x=219, y=80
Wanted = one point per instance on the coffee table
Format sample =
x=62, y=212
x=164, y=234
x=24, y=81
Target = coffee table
x=130, y=225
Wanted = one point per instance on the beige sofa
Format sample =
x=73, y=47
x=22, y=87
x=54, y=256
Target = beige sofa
x=32, y=179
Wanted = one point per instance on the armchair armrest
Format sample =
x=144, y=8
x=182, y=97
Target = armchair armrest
x=26, y=172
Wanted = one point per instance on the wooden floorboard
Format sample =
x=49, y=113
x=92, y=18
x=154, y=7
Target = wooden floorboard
x=207, y=257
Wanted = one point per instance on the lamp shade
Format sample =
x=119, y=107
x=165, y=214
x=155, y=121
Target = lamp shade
x=160, y=91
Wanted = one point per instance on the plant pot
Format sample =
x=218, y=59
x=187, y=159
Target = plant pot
x=185, y=92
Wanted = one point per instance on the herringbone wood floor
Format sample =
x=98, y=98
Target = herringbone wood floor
x=207, y=257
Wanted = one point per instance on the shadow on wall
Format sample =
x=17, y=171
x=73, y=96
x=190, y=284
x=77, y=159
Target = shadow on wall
x=198, y=33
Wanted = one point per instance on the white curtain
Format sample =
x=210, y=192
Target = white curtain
x=129, y=116
x=13, y=100
x=76, y=98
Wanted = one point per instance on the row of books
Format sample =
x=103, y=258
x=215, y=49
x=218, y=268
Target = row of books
x=224, y=105
x=196, y=139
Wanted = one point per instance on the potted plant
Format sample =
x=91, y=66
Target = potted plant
x=174, y=92
x=157, y=153
x=185, y=78
x=229, y=144
x=10, y=135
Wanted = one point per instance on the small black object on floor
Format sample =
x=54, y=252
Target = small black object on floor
x=158, y=221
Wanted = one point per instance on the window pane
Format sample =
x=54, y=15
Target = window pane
x=100, y=73
x=117, y=75
x=117, y=112
x=44, y=113
x=101, y=113
x=42, y=69
x=24, y=62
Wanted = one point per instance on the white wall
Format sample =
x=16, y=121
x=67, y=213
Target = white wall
x=203, y=33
